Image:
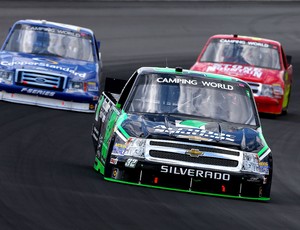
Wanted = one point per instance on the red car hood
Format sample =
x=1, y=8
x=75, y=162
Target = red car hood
x=246, y=73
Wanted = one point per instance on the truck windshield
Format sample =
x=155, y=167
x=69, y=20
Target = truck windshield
x=50, y=41
x=194, y=96
x=242, y=52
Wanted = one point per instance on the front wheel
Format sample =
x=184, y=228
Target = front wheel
x=108, y=166
x=267, y=188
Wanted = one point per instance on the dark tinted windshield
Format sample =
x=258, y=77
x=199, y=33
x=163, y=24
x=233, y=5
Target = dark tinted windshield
x=50, y=41
x=242, y=52
x=201, y=97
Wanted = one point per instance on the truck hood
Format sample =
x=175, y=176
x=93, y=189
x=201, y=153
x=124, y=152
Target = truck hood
x=246, y=73
x=179, y=128
x=70, y=67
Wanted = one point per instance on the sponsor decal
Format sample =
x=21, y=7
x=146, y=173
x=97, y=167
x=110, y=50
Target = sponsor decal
x=53, y=30
x=217, y=85
x=92, y=86
x=119, y=149
x=242, y=42
x=195, y=138
x=37, y=28
x=259, y=44
x=119, y=146
x=115, y=173
x=232, y=41
x=38, y=92
x=69, y=33
x=193, y=133
x=113, y=161
x=45, y=60
x=261, y=163
x=177, y=81
x=264, y=167
x=235, y=69
x=43, y=64
x=198, y=173
x=253, y=179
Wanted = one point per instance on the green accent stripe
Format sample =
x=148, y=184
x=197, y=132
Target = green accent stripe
x=98, y=166
x=193, y=123
x=187, y=191
x=121, y=119
x=265, y=148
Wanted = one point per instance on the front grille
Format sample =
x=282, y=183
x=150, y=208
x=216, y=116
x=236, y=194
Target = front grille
x=199, y=160
x=188, y=147
x=40, y=79
x=256, y=88
x=187, y=154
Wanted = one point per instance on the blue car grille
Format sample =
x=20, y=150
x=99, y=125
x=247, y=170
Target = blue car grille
x=41, y=79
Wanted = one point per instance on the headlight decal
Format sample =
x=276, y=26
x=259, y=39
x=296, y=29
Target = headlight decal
x=76, y=86
x=6, y=77
x=274, y=90
x=267, y=90
x=278, y=90
x=135, y=147
x=250, y=162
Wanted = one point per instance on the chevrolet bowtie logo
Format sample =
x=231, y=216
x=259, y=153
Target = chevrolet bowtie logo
x=194, y=152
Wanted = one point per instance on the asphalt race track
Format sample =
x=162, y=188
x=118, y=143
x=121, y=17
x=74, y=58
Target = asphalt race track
x=46, y=156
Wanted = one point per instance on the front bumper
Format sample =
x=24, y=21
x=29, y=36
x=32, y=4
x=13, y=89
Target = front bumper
x=50, y=99
x=268, y=104
x=191, y=180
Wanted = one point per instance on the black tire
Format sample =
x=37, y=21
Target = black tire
x=267, y=187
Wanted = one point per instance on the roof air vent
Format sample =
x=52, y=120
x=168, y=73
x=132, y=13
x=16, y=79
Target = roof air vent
x=178, y=69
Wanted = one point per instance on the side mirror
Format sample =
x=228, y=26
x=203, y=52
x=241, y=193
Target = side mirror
x=98, y=44
x=289, y=59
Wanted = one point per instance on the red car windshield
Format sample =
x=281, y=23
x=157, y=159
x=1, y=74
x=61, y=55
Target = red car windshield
x=257, y=54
